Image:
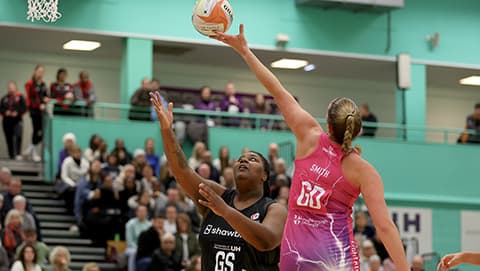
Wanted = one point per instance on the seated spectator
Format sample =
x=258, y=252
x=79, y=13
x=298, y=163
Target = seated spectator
x=228, y=178
x=170, y=224
x=27, y=260
x=166, y=177
x=144, y=199
x=375, y=263
x=86, y=189
x=280, y=168
x=367, y=116
x=19, y=204
x=198, y=130
x=12, y=233
x=124, y=157
x=12, y=108
x=223, y=161
x=152, y=159
x=272, y=156
x=127, y=174
x=139, y=161
x=155, y=86
x=204, y=170
x=148, y=242
x=362, y=227
x=472, y=123
x=84, y=91
x=195, y=264
x=69, y=141
x=207, y=159
x=4, y=261
x=205, y=100
x=129, y=191
x=261, y=107
x=172, y=198
x=133, y=229
x=62, y=91
x=198, y=149
x=140, y=102
x=103, y=218
x=368, y=250
x=283, y=194
x=5, y=175
x=417, y=263
x=14, y=189
x=91, y=267
x=41, y=249
x=165, y=257
x=148, y=180
x=59, y=259
x=232, y=104
x=186, y=241
x=74, y=168
x=93, y=150
x=111, y=166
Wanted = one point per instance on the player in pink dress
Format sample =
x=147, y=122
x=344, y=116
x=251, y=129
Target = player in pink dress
x=329, y=176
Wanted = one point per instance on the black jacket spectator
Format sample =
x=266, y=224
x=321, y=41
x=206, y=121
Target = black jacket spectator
x=124, y=157
x=368, y=116
x=12, y=108
x=140, y=102
x=36, y=97
x=163, y=262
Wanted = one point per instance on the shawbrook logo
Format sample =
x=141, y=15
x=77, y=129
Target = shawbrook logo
x=209, y=229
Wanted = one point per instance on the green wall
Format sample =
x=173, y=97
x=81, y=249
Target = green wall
x=309, y=28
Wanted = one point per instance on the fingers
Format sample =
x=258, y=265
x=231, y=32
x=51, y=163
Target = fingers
x=206, y=192
x=205, y=203
x=241, y=29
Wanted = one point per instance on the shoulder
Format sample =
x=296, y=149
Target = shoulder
x=17, y=265
x=356, y=169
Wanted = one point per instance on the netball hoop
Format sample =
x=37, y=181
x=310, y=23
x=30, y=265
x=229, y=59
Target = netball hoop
x=46, y=10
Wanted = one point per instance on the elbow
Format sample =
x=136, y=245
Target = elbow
x=386, y=228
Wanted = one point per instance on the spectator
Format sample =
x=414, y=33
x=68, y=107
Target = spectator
x=166, y=177
x=261, y=107
x=172, y=198
x=198, y=149
x=93, y=151
x=228, y=178
x=84, y=91
x=368, y=250
x=280, y=168
x=91, y=267
x=27, y=260
x=186, y=241
x=165, y=258
x=5, y=175
x=134, y=228
x=472, y=123
x=37, y=98
x=103, y=217
x=69, y=141
x=74, y=168
x=61, y=91
x=368, y=116
x=12, y=107
x=148, y=180
x=41, y=249
x=361, y=226
x=205, y=101
x=283, y=194
x=143, y=198
x=148, y=242
x=207, y=159
x=231, y=103
x=19, y=204
x=129, y=190
x=124, y=157
x=223, y=161
x=152, y=159
x=59, y=259
x=272, y=154
x=4, y=261
x=139, y=161
x=204, y=170
x=155, y=87
x=170, y=224
x=86, y=189
x=14, y=189
x=12, y=233
x=195, y=264
x=127, y=173
x=111, y=166
x=140, y=102
x=375, y=263
x=417, y=263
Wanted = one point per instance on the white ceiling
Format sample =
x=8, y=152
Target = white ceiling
x=51, y=41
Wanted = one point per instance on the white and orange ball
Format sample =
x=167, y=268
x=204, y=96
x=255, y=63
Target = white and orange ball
x=212, y=15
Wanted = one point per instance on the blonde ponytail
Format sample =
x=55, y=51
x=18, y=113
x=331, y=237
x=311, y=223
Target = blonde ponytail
x=348, y=136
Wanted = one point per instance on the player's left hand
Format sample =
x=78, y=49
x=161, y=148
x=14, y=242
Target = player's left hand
x=212, y=200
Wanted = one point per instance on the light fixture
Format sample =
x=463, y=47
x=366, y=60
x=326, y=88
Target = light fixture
x=309, y=67
x=286, y=63
x=473, y=80
x=81, y=45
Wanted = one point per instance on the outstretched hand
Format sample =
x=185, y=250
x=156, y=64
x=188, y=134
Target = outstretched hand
x=164, y=117
x=212, y=200
x=237, y=42
x=449, y=261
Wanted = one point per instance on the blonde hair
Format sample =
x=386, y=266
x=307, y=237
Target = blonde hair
x=196, y=149
x=11, y=214
x=87, y=266
x=55, y=251
x=344, y=119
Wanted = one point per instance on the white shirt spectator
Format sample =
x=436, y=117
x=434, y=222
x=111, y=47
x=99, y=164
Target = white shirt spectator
x=72, y=172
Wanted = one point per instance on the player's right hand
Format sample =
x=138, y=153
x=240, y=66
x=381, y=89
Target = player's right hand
x=449, y=261
x=164, y=117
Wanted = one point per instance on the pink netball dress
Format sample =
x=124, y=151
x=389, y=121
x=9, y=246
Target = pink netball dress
x=318, y=235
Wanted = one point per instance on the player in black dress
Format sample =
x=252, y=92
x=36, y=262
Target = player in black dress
x=242, y=229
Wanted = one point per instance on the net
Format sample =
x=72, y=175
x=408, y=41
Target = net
x=46, y=10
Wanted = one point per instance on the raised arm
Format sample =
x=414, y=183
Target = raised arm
x=303, y=125
x=371, y=187
x=184, y=175
x=452, y=260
